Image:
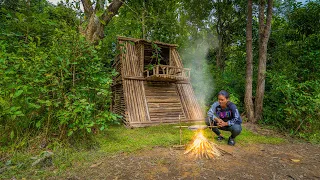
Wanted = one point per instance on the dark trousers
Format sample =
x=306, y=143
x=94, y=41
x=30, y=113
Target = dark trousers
x=234, y=129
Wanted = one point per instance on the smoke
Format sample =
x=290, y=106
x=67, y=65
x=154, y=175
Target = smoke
x=195, y=57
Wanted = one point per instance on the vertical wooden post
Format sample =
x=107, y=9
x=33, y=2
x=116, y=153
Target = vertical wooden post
x=180, y=129
x=142, y=59
x=170, y=61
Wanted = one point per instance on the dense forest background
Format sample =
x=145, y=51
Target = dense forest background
x=56, y=83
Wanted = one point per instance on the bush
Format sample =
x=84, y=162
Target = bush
x=52, y=80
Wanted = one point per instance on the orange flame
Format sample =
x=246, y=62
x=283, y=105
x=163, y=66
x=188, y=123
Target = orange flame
x=201, y=147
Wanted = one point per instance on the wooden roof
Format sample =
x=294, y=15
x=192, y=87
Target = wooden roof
x=145, y=41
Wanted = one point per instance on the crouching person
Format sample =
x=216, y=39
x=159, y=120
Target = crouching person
x=226, y=116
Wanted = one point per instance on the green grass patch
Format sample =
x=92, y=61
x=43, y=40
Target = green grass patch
x=121, y=139
x=116, y=139
x=248, y=137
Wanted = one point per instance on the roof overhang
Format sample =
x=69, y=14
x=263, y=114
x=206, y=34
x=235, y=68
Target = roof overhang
x=145, y=41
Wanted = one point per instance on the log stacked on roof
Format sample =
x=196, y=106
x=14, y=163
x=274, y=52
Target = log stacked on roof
x=161, y=95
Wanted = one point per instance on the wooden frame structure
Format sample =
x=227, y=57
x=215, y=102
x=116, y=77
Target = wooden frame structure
x=149, y=91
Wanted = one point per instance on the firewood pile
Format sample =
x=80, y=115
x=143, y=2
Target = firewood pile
x=201, y=147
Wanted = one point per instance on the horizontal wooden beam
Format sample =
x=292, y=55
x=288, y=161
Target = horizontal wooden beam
x=135, y=78
x=167, y=121
x=145, y=41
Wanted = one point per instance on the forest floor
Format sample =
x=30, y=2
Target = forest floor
x=292, y=159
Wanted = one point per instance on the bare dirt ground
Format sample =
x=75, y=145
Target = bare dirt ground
x=291, y=160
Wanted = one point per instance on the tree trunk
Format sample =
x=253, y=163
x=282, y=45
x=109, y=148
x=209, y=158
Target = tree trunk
x=220, y=54
x=249, y=72
x=95, y=28
x=264, y=34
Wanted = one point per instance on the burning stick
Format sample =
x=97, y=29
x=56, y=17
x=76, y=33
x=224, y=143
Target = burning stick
x=202, y=148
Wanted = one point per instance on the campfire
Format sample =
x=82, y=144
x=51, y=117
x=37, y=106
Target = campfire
x=201, y=147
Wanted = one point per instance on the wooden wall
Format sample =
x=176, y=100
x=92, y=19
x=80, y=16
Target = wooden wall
x=118, y=104
x=133, y=89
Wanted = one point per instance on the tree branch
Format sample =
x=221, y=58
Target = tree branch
x=112, y=10
x=87, y=6
x=269, y=15
x=261, y=19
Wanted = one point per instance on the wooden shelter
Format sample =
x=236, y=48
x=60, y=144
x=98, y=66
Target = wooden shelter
x=152, y=87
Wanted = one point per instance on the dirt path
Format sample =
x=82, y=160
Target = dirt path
x=285, y=161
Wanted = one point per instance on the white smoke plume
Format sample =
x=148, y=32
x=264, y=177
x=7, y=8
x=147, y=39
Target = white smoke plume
x=194, y=57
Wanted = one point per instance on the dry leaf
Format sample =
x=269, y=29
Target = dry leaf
x=96, y=165
x=295, y=160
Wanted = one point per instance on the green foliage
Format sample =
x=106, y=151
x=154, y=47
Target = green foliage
x=292, y=91
x=52, y=80
x=156, y=53
x=54, y=83
x=302, y=18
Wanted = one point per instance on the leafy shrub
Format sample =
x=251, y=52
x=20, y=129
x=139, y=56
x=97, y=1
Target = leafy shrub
x=52, y=80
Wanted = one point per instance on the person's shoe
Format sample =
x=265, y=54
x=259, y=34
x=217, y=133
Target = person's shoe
x=220, y=138
x=231, y=141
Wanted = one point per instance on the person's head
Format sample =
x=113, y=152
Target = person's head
x=223, y=98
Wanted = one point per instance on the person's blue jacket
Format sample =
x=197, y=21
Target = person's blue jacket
x=230, y=114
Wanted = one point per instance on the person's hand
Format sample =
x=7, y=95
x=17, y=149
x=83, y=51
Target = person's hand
x=218, y=120
x=222, y=124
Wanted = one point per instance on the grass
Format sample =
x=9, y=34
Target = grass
x=248, y=137
x=120, y=139
x=115, y=140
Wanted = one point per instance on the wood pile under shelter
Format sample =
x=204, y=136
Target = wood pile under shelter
x=152, y=87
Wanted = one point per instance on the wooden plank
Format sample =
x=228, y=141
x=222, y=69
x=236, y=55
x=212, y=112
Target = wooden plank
x=168, y=113
x=161, y=93
x=164, y=86
x=142, y=59
x=145, y=101
x=165, y=111
x=169, y=116
x=135, y=78
x=160, y=105
x=160, y=88
x=174, y=96
x=145, y=41
x=156, y=100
